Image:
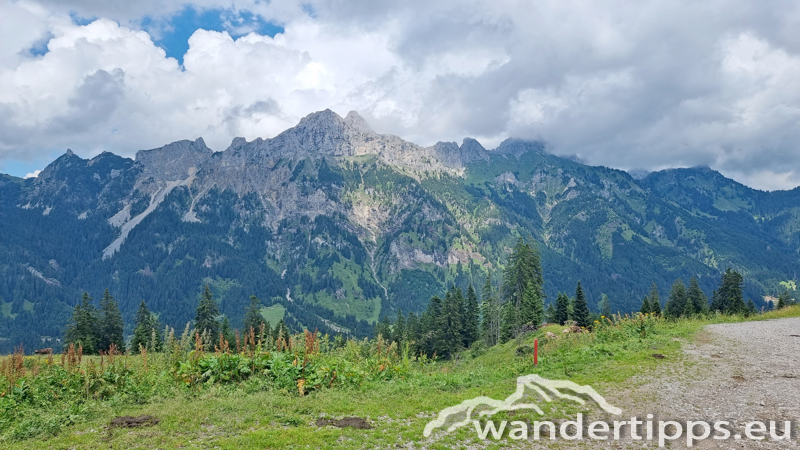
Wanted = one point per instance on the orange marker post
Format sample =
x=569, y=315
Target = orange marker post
x=535, y=352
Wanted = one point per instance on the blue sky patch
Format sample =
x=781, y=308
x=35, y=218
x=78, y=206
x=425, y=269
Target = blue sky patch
x=174, y=36
x=39, y=48
x=80, y=20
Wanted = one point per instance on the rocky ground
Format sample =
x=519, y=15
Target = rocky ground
x=738, y=373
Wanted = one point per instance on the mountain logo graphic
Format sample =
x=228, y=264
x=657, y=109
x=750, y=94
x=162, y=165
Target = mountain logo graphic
x=485, y=406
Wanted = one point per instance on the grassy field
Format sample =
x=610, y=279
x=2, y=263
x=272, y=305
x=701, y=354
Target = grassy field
x=273, y=314
x=256, y=414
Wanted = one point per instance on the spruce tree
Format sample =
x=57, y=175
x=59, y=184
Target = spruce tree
x=730, y=299
x=399, y=329
x=281, y=332
x=383, y=328
x=751, y=308
x=655, y=301
x=645, y=309
x=450, y=323
x=676, y=304
x=550, y=313
x=82, y=329
x=716, y=301
x=226, y=331
x=471, y=317
x=413, y=332
x=783, y=299
x=581, y=313
x=111, y=325
x=510, y=321
x=143, y=329
x=562, y=308
x=267, y=332
x=491, y=315
x=252, y=316
x=605, y=306
x=697, y=298
x=206, y=317
x=533, y=304
x=430, y=331
x=523, y=272
x=486, y=322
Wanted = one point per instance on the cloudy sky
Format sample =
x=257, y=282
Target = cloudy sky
x=626, y=84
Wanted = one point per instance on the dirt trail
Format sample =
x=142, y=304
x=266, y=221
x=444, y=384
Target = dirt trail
x=739, y=373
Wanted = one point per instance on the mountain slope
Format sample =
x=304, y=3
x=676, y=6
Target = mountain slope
x=342, y=225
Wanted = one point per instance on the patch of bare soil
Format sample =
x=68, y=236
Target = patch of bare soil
x=134, y=422
x=352, y=422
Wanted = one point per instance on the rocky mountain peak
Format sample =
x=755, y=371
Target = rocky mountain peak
x=62, y=162
x=355, y=121
x=321, y=120
x=472, y=150
x=448, y=154
x=174, y=161
x=517, y=147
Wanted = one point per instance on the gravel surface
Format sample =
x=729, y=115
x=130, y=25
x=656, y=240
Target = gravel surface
x=738, y=373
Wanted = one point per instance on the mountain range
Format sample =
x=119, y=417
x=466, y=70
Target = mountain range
x=334, y=226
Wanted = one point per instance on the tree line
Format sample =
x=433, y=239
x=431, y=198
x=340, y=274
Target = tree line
x=451, y=323
x=457, y=321
x=100, y=329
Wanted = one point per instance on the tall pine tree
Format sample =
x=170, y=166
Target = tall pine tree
x=655, y=301
x=676, y=304
x=784, y=299
x=471, y=317
x=252, y=316
x=82, y=329
x=728, y=298
x=581, y=313
x=562, y=308
x=532, y=306
x=226, y=331
x=111, y=325
x=523, y=273
x=550, y=313
x=491, y=315
x=450, y=323
x=145, y=327
x=205, y=320
x=399, y=329
x=645, y=309
x=604, y=306
x=697, y=297
x=430, y=328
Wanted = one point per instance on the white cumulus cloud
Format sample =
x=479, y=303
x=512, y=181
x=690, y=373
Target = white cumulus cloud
x=622, y=83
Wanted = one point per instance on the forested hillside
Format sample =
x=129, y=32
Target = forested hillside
x=340, y=226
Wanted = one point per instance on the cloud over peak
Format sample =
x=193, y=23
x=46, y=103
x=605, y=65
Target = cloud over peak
x=623, y=84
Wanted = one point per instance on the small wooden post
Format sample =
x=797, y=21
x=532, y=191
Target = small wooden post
x=535, y=352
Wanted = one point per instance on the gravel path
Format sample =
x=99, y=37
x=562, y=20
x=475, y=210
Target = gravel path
x=738, y=373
